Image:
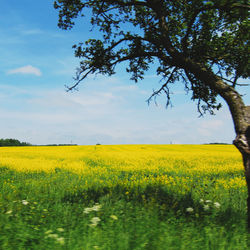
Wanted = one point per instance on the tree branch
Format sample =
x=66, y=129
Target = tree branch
x=227, y=92
x=128, y=4
x=189, y=27
x=144, y=54
x=164, y=88
x=79, y=79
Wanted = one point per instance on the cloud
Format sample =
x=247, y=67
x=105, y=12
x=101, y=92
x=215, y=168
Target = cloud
x=31, y=32
x=26, y=70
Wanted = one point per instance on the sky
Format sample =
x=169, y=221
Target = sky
x=37, y=61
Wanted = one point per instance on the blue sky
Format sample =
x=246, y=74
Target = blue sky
x=37, y=60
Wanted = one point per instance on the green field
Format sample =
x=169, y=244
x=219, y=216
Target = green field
x=122, y=197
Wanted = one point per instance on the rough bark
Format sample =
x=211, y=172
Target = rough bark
x=242, y=142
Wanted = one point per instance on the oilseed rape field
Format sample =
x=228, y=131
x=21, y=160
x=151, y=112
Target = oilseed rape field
x=122, y=197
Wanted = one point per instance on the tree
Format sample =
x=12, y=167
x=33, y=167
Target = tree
x=12, y=142
x=203, y=43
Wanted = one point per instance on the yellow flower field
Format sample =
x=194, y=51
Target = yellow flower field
x=165, y=164
x=122, y=197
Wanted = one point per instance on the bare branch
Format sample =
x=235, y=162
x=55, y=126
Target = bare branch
x=79, y=78
x=117, y=43
x=242, y=84
x=164, y=88
x=235, y=80
x=234, y=83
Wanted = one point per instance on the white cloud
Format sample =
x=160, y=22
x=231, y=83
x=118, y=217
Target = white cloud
x=31, y=32
x=26, y=70
x=124, y=88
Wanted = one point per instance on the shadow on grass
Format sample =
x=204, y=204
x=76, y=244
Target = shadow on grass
x=150, y=194
x=162, y=200
x=155, y=197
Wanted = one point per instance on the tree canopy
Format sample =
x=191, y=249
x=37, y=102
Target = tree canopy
x=212, y=34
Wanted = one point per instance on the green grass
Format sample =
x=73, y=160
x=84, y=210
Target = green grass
x=46, y=211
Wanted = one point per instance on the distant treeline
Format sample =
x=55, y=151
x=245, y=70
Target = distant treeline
x=59, y=145
x=12, y=142
x=217, y=143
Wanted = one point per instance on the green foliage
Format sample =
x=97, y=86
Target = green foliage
x=12, y=142
x=172, y=34
x=119, y=207
x=46, y=211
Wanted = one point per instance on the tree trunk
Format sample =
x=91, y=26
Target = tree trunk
x=242, y=142
x=246, y=159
